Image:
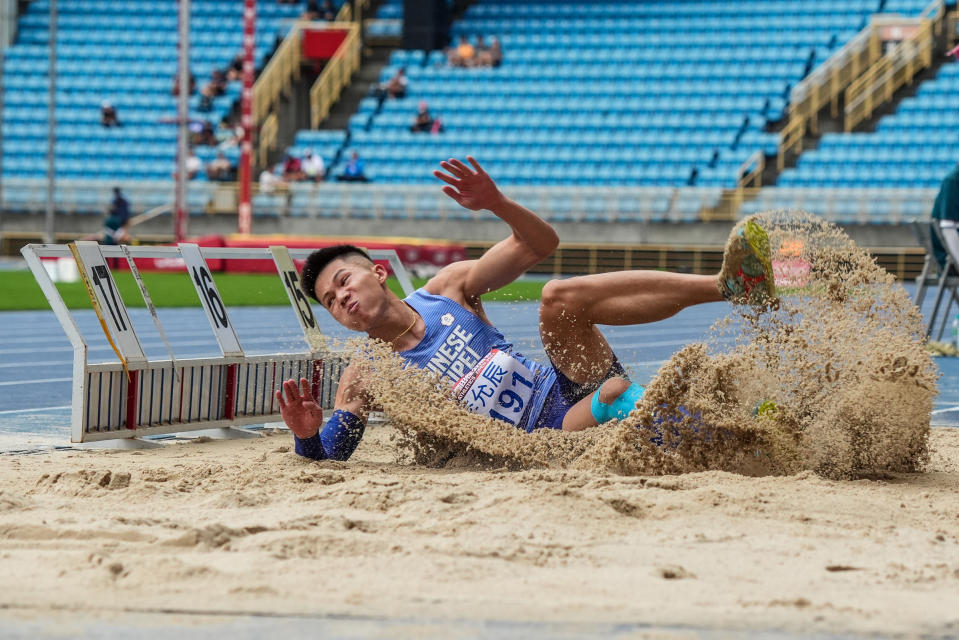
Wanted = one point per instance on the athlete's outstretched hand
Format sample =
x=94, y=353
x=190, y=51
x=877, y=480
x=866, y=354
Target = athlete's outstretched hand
x=300, y=411
x=473, y=190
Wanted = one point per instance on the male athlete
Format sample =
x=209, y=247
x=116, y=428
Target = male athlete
x=442, y=327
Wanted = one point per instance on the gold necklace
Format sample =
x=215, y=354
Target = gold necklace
x=407, y=329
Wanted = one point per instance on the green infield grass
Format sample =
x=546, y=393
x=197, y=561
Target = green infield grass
x=19, y=290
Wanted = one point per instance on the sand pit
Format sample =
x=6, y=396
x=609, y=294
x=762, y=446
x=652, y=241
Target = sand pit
x=245, y=526
x=796, y=486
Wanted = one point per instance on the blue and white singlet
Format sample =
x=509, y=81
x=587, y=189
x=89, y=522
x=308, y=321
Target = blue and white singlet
x=489, y=377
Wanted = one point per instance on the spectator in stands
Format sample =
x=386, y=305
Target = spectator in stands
x=424, y=122
x=217, y=83
x=481, y=57
x=219, y=168
x=206, y=99
x=235, y=70
x=313, y=166
x=946, y=207
x=108, y=115
x=116, y=226
x=312, y=11
x=203, y=134
x=293, y=169
x=270, y=180
x=463, y=55
x=396, y=86
x=175, y=91
x=353, y=171
x=495, y=52
x=228, y=135
x=193, y=165
x=328, y=11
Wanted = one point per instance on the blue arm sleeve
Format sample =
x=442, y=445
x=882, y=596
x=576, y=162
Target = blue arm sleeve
x=337, y=441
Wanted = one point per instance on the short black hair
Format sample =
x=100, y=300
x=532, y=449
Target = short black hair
x=318, y=261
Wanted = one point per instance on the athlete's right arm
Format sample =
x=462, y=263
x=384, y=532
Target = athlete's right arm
x=304, y=416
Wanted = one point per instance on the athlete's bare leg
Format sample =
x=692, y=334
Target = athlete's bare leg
x=572, y=308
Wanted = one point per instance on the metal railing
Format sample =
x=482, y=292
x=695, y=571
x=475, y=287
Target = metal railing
x=846, y=205
x=826, y=83
x=586, y=258
x=346, y=11
x=278, y=76
x=894, y=70
x=427, y=202
x=267, y=140
x=935, y=12
x=951, y=23
x=337, y=73
x=750, y=179
x=790, y=139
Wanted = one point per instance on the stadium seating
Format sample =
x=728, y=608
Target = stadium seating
x=124, y=52
x=611, y=93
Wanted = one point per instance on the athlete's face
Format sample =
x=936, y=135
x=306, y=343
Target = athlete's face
x=351, y=288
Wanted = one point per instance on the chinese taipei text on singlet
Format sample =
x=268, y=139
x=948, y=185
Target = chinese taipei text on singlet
x=488, y=376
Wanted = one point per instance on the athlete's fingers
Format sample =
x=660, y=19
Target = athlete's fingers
x=445, y=177
x=476, y=165
x=291, y=391
x=462, y=167
x=307, y=391
x=453, y=193
x=456, y=171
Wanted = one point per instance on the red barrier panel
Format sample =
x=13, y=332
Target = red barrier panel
x=322, y=44
x=420, y=256
x=414, y=253
x=175, y=264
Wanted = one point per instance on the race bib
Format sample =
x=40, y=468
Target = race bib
x=500, y=387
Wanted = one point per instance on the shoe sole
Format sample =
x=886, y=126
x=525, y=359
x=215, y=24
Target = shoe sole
x=758, y=241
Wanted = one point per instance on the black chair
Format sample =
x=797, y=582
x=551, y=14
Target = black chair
x=947, y=279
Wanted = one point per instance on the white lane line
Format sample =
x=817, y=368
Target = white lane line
x=36, y=410
x=946, y=410
x=268, y=339
x=16, y=382
x=31, y=363
x=33, y=338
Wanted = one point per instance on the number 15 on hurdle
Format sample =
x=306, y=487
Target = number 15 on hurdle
x=304, y=313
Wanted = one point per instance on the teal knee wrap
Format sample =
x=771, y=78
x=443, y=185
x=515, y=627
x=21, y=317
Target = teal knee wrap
x=618, y=408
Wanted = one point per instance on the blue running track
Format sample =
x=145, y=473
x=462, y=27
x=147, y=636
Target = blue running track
x=36, y=358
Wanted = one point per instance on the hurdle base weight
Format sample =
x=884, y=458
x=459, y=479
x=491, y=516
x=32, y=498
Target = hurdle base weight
x=226, y=433
x=121, y=443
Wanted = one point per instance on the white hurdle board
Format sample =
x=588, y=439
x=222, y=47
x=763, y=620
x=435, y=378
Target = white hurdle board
x=132, y=397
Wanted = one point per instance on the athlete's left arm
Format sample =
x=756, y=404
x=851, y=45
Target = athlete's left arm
x=532, y=239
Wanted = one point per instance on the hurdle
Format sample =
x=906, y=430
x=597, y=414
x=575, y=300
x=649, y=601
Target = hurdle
x=119, y=402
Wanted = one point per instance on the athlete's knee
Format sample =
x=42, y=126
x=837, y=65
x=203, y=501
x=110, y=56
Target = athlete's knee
x=560, y=297
x=612, y=389
x=615, y=399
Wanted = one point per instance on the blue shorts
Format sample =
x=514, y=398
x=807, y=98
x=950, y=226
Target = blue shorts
x=565, y=393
